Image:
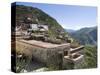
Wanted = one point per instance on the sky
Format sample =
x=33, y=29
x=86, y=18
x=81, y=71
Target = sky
x=68, y=16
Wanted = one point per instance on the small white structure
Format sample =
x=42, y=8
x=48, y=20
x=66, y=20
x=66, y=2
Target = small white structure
x=43, y=27
x=35, y=27
x=28, y=18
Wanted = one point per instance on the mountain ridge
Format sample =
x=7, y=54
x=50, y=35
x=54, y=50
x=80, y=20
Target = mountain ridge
x=87, y=35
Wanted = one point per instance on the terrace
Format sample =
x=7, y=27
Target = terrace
x=43, y=44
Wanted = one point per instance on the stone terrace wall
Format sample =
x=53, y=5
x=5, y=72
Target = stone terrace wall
x=37, y=53
x=52, y=57
x=55, y=57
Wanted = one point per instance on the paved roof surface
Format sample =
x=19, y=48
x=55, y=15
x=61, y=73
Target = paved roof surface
x=43, y=44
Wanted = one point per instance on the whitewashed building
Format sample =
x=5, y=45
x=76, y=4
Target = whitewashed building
x=35, y=27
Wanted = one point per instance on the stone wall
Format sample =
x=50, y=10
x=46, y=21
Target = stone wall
x=52, y=57
x=55, y=57
x=37, y=53
x=74, y=63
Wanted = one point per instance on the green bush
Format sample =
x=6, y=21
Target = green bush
x=90, y=59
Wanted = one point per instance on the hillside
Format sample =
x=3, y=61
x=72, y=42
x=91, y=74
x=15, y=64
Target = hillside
x=26, y=15
x=86, y=35
x=90, y=57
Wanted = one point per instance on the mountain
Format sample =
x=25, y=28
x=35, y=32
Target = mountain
x=86, y=35
x=69, y=30
x=26, y=15
x=37, y=16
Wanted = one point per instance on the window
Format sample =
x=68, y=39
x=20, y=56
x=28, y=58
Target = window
x=65, y=53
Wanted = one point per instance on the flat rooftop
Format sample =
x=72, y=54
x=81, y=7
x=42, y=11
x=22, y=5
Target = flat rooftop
x=43, y=44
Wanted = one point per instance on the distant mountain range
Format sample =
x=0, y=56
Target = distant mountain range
x=70, y=30
x=85, y=35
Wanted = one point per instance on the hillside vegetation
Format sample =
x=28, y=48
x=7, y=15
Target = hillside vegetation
x=90, y=57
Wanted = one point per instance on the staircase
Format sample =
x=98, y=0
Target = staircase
x=73, y=58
